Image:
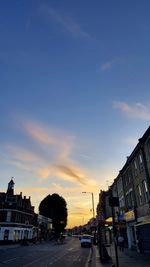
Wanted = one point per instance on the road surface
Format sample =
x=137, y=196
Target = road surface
x=46, y=254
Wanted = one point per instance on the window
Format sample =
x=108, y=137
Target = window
x=121, y=201
x=126, y=179
x=130, y=199
x=129, y=175
x=145, y=191
x=127, y=200
x=140, y=162
x=139, y=194
x=8, y=219
x=135, y=168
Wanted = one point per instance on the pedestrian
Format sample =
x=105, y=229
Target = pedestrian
x=121, y=242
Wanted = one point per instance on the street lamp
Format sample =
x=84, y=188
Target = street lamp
x=92, y=201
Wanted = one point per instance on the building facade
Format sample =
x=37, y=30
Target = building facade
x=132, y=187
x=17, y=218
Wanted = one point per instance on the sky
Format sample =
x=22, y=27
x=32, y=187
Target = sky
x=74, y=96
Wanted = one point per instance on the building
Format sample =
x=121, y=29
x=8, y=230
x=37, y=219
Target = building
x=17, y=217
x=44, y=227
x=132, y=187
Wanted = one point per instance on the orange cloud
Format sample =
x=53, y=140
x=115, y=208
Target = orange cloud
x=38, y=133
x=50, y=158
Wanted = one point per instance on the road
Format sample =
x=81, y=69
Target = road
x=69, y=254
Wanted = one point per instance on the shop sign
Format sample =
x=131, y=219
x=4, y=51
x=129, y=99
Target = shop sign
x=130, y=215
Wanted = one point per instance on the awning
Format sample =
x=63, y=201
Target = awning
x=145, y=221
x=108, y=220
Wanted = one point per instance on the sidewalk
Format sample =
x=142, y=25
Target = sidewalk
x=5, y=247
x=127, y=258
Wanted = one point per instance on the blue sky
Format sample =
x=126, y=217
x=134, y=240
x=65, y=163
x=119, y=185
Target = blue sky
x=75, y=97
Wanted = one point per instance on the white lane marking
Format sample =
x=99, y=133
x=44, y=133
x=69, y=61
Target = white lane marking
x=10, y=260
x=89, y=258
x=70, y=249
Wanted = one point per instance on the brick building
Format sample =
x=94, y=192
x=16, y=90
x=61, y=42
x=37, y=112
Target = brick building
x=17, y=217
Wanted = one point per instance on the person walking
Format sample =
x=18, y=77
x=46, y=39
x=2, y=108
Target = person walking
x=121, y=242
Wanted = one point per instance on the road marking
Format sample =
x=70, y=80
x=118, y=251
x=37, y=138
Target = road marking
x=70, y=249
x=89, y=259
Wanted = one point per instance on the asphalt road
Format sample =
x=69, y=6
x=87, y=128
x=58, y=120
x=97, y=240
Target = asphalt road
x=69, y=254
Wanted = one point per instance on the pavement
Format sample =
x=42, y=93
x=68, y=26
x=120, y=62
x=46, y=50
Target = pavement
x=3, y=247
x=126, y=258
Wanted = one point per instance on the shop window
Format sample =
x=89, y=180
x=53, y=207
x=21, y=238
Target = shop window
x=6, y=234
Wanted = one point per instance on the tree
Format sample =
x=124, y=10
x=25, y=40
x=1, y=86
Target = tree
x=55, y=207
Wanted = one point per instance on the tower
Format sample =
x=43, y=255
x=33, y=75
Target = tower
x=10, y=189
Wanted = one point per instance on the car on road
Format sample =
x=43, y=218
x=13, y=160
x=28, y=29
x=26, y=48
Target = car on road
x=86, y=241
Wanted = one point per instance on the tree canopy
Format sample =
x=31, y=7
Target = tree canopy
x=55, y=207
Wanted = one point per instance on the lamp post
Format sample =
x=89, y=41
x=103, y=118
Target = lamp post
x=92, y=201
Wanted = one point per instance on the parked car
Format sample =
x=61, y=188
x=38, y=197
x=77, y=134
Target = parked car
x=86, y=241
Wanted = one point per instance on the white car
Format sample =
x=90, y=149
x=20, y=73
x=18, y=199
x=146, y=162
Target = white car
x=86, y=241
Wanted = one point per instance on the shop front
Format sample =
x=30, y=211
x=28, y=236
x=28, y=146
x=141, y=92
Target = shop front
x=130, y=223
x=143, y=235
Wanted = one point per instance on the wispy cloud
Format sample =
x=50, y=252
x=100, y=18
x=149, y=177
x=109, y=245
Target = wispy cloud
x=112, y=63
x=66, y=171
x=73, y=172
x=137, y=110
x=51, y=137
x=107, y=65
x=64, y=21
x=22, y=154
x=49, y=156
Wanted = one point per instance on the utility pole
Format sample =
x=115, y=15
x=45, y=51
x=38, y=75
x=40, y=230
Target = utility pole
x=92, y=202
x=93, y=205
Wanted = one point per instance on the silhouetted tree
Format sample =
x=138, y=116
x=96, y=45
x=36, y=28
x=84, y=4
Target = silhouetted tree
x=55, y=207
